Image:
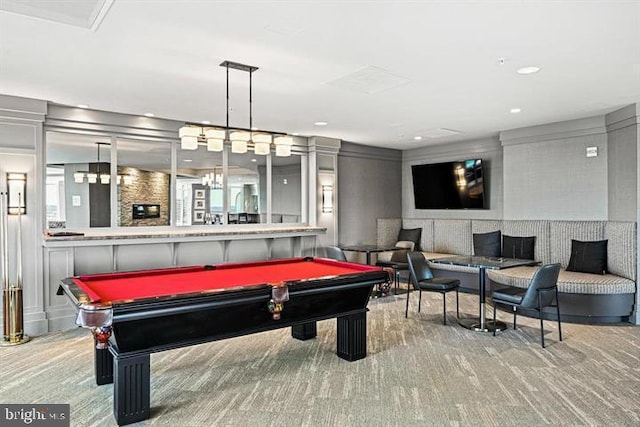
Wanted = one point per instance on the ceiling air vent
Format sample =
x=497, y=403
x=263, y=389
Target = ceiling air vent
x=369, y=80
x=78, y=13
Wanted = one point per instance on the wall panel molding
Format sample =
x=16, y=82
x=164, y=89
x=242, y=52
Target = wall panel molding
x=555, y=131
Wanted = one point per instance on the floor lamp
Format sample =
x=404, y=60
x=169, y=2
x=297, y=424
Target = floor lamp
x=12, y=302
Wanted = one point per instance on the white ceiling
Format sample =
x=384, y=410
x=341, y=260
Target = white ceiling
x=379, y=72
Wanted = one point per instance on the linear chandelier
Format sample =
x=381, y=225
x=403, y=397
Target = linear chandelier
x=191, y=136
x=105, y=177
x=213, y=179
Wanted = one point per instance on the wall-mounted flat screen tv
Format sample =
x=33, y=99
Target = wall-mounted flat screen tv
x=450, y=185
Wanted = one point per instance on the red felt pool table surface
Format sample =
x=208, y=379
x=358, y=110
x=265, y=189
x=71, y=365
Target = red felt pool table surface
x=118, y=287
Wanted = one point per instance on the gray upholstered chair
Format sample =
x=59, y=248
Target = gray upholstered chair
x=541, y=293
x=334, y=252
x=422, y=279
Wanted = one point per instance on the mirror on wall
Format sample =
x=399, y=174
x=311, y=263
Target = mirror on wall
x=79, y=181
x=286, y=189
x=105, y=181
x=78, y=184
x=247, y=175
x=144, y=182
x=199, y=183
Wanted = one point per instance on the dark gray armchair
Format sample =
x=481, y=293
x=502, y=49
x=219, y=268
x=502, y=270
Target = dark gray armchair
x=422, y=279
x=541, y=293
x=333, y=252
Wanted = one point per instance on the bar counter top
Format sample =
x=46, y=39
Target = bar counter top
x=177, y=234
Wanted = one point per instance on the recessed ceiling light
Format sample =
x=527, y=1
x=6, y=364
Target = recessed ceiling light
x=149, y=114
x=528, y=70
x=187, y=160
x=321, y=123
x=206, y=122
x=515, y=110
x=83, y=106
x=417, y=138
x=253, y=160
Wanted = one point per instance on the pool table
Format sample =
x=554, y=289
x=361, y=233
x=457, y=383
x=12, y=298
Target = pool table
x=134, y=314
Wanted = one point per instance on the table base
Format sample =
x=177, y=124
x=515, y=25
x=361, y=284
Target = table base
x=474, y=324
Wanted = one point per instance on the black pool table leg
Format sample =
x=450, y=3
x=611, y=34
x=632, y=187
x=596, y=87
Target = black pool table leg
x=131, y=388
x=305, y=331
x=352, y=336
x=104, y=366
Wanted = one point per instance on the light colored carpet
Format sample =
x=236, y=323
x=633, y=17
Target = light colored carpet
x=418, y=372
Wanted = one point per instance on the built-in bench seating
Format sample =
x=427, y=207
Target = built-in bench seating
x=584, y=297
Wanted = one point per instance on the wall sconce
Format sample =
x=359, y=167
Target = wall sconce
x=327, y=198
x=17, y=193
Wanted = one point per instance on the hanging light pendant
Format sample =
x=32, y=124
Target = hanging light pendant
x=215, y=139
x=261, y=144
x=283, y=146
x=239, y=142
x=189, y=137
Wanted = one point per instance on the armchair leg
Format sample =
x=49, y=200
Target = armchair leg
x=406, y=311
x=419, y=299
x=444, y=307
x=397, y=284
x=514, y=317
x=541, y=322
x=558, y=314
x=494, y=318
x=457, y=305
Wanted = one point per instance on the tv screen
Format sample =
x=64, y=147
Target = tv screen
x=450, y=185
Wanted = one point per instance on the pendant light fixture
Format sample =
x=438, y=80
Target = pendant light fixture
x=103, y=176
x=240, y=139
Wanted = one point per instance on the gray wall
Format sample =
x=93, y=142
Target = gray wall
x=622, y=164
x=488, y=150
x=285, y=198
x=76, y=216
x=547, y=174
x=369, y=180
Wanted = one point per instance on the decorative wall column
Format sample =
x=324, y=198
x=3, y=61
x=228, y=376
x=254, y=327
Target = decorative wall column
x=21, y=150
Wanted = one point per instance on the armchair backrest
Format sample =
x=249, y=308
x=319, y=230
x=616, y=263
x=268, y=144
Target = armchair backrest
x=418, y=268
x=333, y=252
x=399, y=255
x=545, y=278
x=405, y=244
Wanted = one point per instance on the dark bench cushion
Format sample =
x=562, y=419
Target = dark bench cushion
x=518, y=247
x=588, y=257
x=487, y=244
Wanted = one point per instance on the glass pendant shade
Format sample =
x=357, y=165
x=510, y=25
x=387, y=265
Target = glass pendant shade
x=283, y=146
x=261, y=144
x=92, y=178
x=189, y=137
x=215, y=139
x=78, y=177
x=214, y=144
x=239, y=142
